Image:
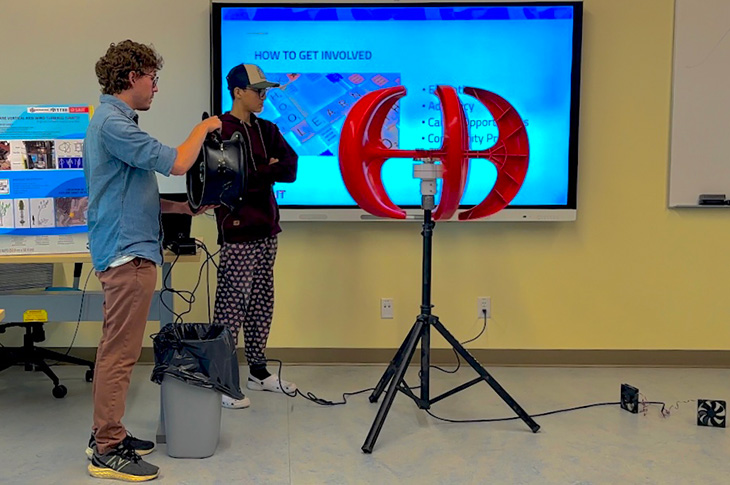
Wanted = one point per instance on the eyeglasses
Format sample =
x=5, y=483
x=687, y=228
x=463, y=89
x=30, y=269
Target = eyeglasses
x=154, y=78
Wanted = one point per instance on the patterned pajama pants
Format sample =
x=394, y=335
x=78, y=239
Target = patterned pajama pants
x=245, y=294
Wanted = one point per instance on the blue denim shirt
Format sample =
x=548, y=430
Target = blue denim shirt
x=120, y=161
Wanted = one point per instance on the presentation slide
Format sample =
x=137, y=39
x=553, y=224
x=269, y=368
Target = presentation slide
x=43, y=198
x=327, y=58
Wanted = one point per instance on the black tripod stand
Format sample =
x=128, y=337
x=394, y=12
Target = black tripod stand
x=396, y=371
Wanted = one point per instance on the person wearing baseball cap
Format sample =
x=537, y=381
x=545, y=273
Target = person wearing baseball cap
x=248, y=76
x=247, y=234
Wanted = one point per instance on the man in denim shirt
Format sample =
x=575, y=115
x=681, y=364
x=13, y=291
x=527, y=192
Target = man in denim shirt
x=120, y=161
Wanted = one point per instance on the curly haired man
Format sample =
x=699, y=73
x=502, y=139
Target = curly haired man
x=120, y=161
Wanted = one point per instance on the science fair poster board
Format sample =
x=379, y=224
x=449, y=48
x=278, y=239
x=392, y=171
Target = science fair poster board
x=43, y=196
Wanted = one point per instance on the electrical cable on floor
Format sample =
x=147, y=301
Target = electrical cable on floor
x=494, y=420
x=324, y=402
x=309, y=396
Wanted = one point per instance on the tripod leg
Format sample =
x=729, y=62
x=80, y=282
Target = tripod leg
x=388, y=375
x=501, y=392
x=400, y=371
x=425, y=401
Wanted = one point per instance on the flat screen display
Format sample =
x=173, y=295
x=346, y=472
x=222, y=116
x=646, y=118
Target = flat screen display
x=327, y=56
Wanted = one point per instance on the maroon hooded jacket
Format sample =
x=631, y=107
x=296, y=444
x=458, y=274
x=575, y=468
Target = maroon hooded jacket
x=258, y=216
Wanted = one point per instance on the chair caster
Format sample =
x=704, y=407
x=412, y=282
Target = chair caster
x=59, y=391
x=89, y=375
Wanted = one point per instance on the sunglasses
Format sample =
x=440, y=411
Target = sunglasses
x=260, y=92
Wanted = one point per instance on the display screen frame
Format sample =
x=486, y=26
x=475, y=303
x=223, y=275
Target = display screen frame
x=335, y=212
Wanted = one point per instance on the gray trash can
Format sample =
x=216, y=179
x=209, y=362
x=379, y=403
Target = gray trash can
x=192, y=418
x=194, y=363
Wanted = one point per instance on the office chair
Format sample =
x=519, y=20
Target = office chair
x=31, y=356
x=34, y=358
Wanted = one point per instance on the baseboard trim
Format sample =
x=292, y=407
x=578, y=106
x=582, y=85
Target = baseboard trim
x=496, y=357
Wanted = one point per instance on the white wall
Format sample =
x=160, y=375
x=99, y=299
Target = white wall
x=49, y=49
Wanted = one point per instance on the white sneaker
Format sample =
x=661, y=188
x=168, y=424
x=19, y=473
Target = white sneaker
x=271, y=384
x=230, y=403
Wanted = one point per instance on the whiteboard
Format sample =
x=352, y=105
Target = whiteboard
x=700, y=133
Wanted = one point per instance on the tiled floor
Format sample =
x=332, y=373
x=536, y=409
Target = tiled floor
x=291, y=441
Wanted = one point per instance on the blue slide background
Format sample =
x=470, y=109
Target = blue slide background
x=524, y=54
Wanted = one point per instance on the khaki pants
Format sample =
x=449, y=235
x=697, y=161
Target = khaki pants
x=128, y=291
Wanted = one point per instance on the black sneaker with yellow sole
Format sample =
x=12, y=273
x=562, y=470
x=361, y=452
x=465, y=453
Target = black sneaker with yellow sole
x=122, y=463
x=142, y=447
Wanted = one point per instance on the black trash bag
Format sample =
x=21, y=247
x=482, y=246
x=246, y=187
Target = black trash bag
x=199, y=354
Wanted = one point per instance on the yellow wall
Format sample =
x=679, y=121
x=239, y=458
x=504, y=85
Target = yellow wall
x=628, y=274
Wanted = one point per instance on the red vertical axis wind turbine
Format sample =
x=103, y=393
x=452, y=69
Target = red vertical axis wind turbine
x=362, y=153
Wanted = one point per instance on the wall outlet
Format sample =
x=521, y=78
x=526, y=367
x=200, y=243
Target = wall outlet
x=386, y=308
x=484, y=307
